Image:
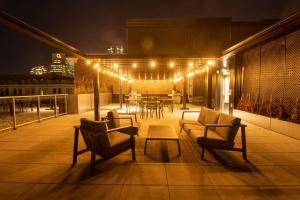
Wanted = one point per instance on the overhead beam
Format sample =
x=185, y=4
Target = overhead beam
x=21, y=26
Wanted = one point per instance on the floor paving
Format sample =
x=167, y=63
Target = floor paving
x=35, y=163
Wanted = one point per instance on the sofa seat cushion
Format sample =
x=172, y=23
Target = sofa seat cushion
x=188, y=127
x=228, y=132
x=211, y=117
x=213, y=140
x=186, y=121
x=202, y=115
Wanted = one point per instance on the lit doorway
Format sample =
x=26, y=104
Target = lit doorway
x=225, y=91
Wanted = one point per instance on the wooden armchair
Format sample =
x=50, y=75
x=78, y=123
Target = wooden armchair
x=102, y=141
x=115, y=118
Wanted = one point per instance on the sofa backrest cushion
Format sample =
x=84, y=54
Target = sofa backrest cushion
x=202, y=115
x=211, y=117
x=228, y=132
x=115, y=123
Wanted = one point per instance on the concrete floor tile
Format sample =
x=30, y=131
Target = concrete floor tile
x=193, y=192
x=138, y=192
x=146, y=174
x=56, y=191
x=9, y=191
x=186, y=175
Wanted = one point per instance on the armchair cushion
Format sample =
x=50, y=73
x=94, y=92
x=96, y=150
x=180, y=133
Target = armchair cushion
x=228, y=132
x=186, y=121
x=117, y=137
x=213, y=139
x=202, y=115
x=114, y=122
x=94, y=134
x=211, y=117
x=188, y=127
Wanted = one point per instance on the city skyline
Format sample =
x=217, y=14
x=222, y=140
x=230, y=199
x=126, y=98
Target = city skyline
x=93, y=28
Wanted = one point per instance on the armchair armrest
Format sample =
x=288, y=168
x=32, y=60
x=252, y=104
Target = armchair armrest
x=189, y=111
x=129, y=114
x=117, y=129
x=129, y=118
x=219, y=125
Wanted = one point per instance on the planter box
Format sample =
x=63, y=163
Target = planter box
x=258, y=120
x=284, y=127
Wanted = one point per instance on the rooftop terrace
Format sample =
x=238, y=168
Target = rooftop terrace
x=35, y=163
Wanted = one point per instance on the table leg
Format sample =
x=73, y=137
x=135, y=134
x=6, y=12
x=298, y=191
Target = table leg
x=145, y=148
x=179, y=151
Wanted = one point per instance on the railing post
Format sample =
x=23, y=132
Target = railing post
x=66, y=104
x=55, y=105
x=14, y=113
x=38, y=108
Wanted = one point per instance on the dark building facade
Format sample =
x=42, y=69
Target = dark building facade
x=265, y=71
x=21, y=85
x=206, y=37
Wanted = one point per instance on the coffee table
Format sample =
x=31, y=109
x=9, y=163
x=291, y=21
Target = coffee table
x=162, y=132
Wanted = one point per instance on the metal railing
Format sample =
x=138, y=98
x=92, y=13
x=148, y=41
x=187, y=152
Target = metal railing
x=18, y=111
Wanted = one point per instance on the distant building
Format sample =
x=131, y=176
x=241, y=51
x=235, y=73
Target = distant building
x=18, y=85
x=62, y=65
x=38, y=70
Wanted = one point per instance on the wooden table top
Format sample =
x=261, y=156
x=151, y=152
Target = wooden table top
x=162, y=132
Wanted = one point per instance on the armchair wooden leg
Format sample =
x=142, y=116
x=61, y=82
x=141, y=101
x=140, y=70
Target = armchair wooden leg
x=202, y=153
x=244, y=148
x=92, y=165
x=132, y=141
x=75, y=148
x=203, y=150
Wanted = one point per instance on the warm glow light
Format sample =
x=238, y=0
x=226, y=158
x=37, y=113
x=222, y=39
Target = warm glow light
x=152, y=64
x=99, y=70
x=210, y=62
x=88, y=62
x=203, y=70
x=206, y=68
x=116, y=65
x=171, y=64
x=190, y=74
x=134, y=65
x=96, y=65
x=191, y=64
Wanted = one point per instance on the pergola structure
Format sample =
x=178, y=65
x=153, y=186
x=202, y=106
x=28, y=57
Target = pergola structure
x=125, y=67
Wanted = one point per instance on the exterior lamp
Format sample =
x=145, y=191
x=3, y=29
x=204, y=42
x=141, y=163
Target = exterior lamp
x=96, y=65
x=171, y=64
x=116, y=65
x=152, y=64
x=134, y=65
x=190, y=74
x=88, y=62
x=210, y=62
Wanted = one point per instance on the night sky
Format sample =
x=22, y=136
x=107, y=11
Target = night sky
x=93, y=25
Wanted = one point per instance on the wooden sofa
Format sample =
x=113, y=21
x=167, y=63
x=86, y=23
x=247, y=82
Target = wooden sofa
x=214, y=130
